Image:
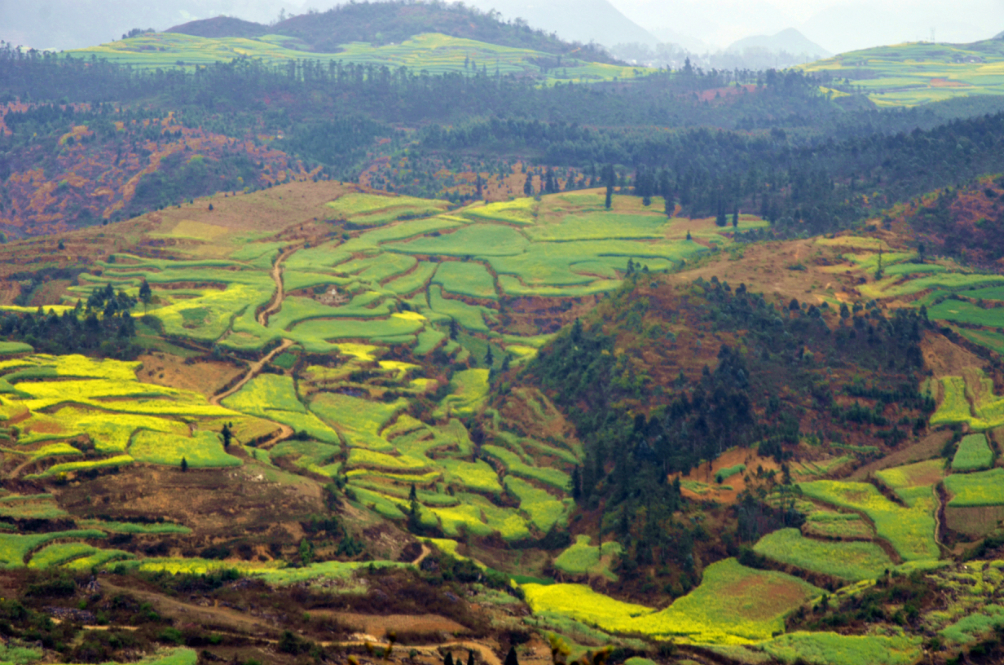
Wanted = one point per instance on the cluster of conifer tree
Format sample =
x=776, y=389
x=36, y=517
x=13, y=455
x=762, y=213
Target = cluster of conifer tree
x=102, y=326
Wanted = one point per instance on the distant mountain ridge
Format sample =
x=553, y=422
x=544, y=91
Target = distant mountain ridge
x=393, y=22
x=789, y=40
x=576, y=20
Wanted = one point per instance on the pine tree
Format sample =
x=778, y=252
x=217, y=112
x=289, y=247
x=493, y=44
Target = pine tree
x=510, y=658
x=528, y=185
x=735, y=218
x=470, y=658
x=454, y=329
x=489, y=357
x=184, y=464
x=227, y=434
x=145, y=294
x=449, y=659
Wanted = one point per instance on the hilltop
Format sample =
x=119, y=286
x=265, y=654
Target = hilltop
x=916, y=73
x=381, y=23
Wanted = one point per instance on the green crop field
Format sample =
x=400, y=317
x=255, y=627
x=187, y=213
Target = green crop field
x=838, y=525
x=954, y=406
x=432, y=52
x=974, y=454
x=851, y=561
x=359, y=420
x=466, y=279
x=921, y=474
x=204, y=450
x=910, y=531
x=970, y=490
x=60, y=554
x=516, y=466
x=834, y=649
x=468, y=391
x=733, y=604
x=543, y=508
x=920, y=72
x=727, y=608
x=959, y=311
x=14, y=548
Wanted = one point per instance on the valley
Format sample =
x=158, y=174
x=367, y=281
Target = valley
x=400, y=333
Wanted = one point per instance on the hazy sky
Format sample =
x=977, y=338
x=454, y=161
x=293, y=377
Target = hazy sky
x=837, y=25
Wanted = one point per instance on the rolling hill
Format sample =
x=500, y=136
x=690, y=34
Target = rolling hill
x=789, y=40
x=395, y=21
x=917, y=73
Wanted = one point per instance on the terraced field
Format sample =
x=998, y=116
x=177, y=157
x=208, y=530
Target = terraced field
x=432, y=52
x=920, y=72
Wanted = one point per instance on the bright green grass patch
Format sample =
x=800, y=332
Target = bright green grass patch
x=960, y=311
x=54, y=450
x=582, y=558
x=467, y=279
x=428, y=340
x=834, y=649
x=583, y=604
x=454, y=521
x=477, y=476
x=311, y=454
x=386, y=506
x=359, y=420
x=600, y=226
x=315, y=335
x=978, y=624
x=252, y=251
x=974, y=454
x=510, y=525
x=520, y=211
x=341, y=570
x=99, y=559
x=15, y=547
x=474, y=240
x=60, y=553
x=157, y=528
x=13, y=348
x=471, y=317
x=733, y=604
x=954, y=407
x=90, y=465
x=854, y=528
x=369, y=209
x=921, y=474
x=724, y=474
x=512, y=286
x=204, y=450
x=273, y=396
x=266, y=392
x=516, y=466
x=468, y=392
x=550, y=263
x=361, y=457
x=909, y=530
x=414, y=280
x=32, y=506
x=853, y=561
x=285, y=360
x=544, y=510
x=982, y=488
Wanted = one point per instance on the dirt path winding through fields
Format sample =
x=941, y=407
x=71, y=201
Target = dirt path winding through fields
x=253, y=371
x=280, y=292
